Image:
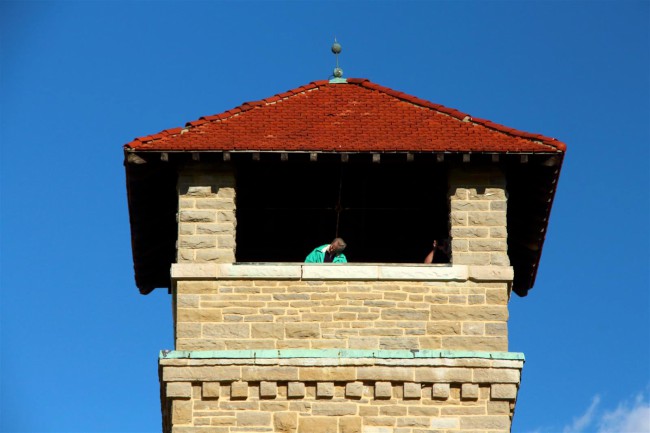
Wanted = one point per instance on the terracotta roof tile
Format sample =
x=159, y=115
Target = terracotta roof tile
x=357, y=116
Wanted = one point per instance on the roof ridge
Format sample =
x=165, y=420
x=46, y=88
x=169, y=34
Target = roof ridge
x=361, y=82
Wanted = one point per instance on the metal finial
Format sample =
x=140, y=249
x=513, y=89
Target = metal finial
x=336, y=49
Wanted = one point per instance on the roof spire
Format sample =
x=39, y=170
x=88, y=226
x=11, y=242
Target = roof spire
x=338, y=72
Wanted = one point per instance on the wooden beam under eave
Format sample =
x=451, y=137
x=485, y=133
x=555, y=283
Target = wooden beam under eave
x=410, y=157
x=345, y=157
x=440, y=157
x=226, y=156
x=467, y=157
x=284, y=156
x=313, y=156
x=256, y=156
x=495, y=157
x=523, y=159
x=376, y=158
x=164, y=156
x=196, y=156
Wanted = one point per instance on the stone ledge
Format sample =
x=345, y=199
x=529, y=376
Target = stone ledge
x=340, y=355
x=365, y=272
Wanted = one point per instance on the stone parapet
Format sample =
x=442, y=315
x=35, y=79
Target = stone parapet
x=357, y=394
x=217, y=307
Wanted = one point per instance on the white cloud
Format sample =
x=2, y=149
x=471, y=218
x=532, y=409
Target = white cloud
x=626, y=418
x=583, y=421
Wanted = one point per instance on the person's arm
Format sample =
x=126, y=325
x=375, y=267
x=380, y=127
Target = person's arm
x=429, y=257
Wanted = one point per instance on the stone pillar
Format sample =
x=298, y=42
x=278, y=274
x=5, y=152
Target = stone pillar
x=206, y=214
x=478, y=201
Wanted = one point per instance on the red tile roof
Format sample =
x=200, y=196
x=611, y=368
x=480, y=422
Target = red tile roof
x=357, y=116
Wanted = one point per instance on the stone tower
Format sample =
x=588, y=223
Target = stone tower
x=224, y=210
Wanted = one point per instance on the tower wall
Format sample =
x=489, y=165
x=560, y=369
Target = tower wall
x=353, y=348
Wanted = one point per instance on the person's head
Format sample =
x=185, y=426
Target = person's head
x=337, y=246
x=443, y=244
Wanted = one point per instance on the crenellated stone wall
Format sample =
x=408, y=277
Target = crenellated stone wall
x=224, y=393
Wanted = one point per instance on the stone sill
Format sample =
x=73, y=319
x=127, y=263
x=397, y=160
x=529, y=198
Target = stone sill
x=338, y=353
x=339, y=271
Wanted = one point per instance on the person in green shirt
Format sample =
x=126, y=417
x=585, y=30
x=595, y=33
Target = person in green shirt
x=332, y=253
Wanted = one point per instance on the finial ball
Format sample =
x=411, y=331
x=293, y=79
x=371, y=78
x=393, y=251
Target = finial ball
x=336, y=48
x=338, y=72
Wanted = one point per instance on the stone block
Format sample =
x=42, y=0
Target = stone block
x=334, y=409
x=213, y=228
x=188, y=330
x=462, y=258
x=197, y=242
x=296, y=390
x=325, y=389
x=201, y=373
x=498, y=407
x=198, y=191
x=198, y=216
x=405, y=314
x=496, y=375
x=182, y=411
x=470, y=205
x=227, y=330
x=398, y=343
x=496, y=218
x=317, y=424
x=392, y=373
x=210, y=389
x=446, y=423
x=440, y=391
x=469, y=232
x=354, y=390
x=443, y=375
x=269, y=373
x=473, y=328
x=215, y=255
x=239, y=390
x=383, y=390
x=412, y=391
x=503, y=391
x=489, y=245
x=328, y=373
x=268, y=389
x=469, y=391
x=462, y=313
x=267, y=330
x=496, y=329
x=483, y=423
x=497, y=232
x=444, y=328
x=499, y=259
x=350, y=424
x=250, y=418
x=285, y=422
x=302, y=330
x=179, y=390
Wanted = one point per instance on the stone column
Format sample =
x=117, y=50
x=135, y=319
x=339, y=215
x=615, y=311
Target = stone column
x=478, y=201
x=206, y=214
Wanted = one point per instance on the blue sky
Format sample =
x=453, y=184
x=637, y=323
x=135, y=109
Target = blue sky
x=80, y=79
